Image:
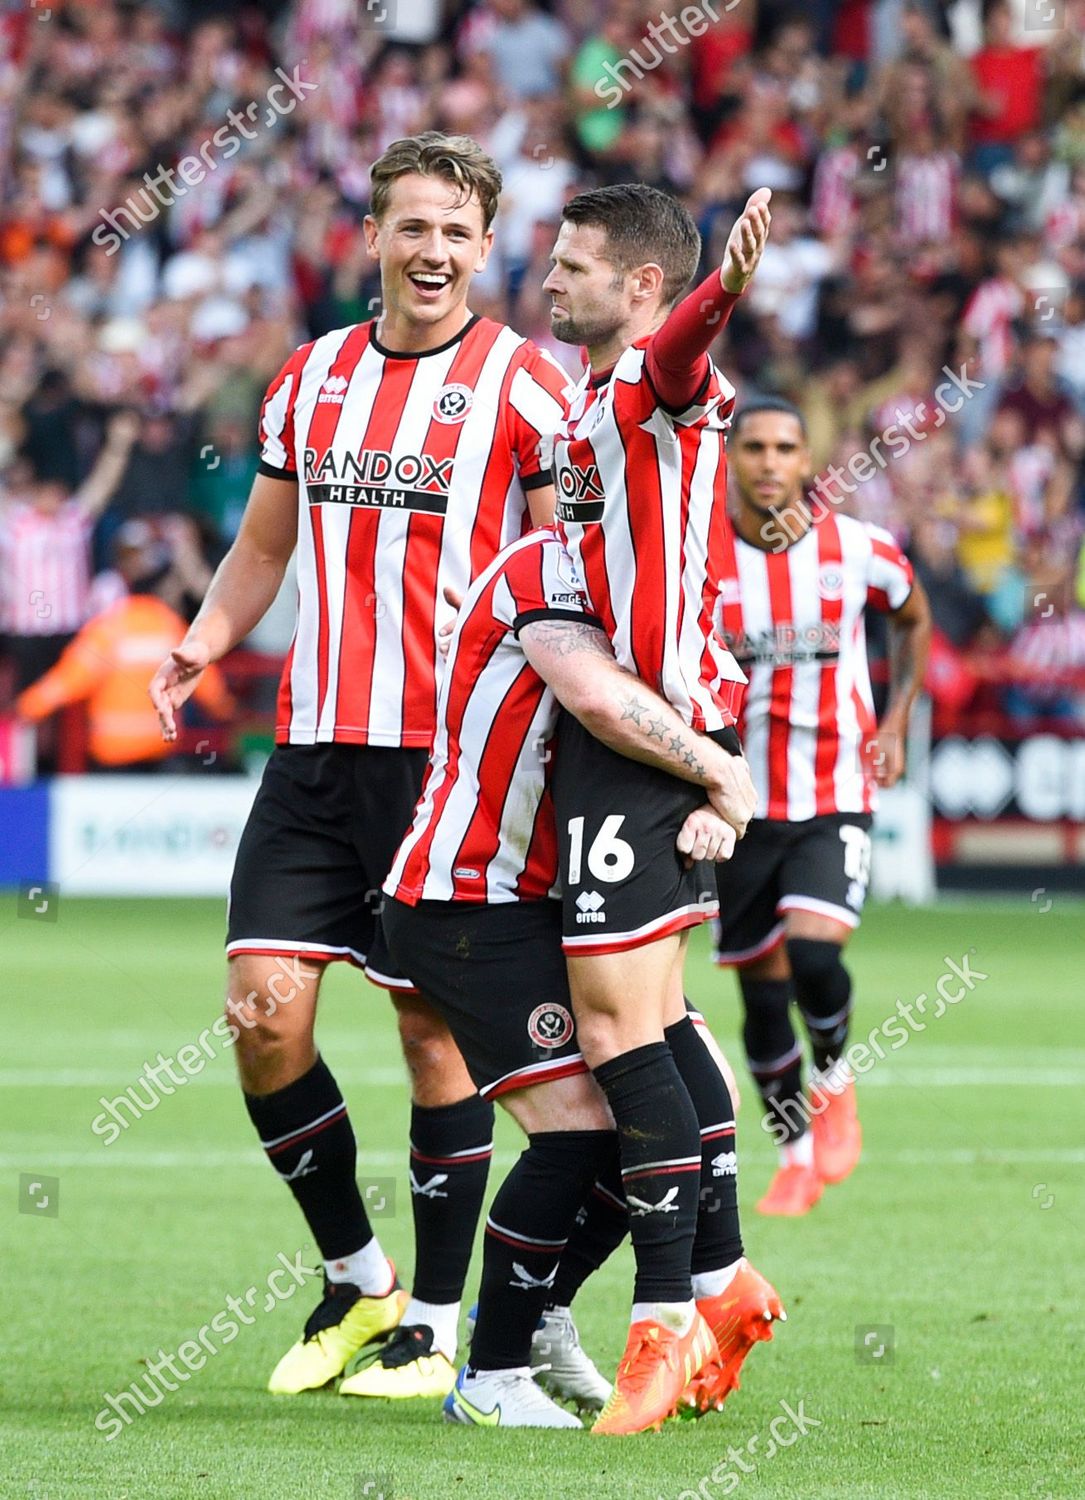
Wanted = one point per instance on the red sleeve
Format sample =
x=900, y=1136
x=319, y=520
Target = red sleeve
x=277, y=457
x=677, y=357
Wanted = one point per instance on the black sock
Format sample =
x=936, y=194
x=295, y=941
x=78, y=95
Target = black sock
x=823, y=990
x=774, y=1055
x=451, y=1148
x=526, y=1231
x=660, y=1147
x=602, y=1223
x=719, y=1239
x=309, y=1141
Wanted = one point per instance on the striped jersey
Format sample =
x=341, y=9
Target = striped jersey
x=412, y=474
x=484, y=828
x=44, y=568
x=794, y=619
x=641, y=505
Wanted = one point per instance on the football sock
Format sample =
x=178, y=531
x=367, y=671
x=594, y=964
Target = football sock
x=712, y=1283
x=774, y=1055
x=799, y=1151
x=442, y=1317
x=451, y=1148
x=823, y=990
x=660, y=1145
x=602, y=1223
x=677, y=1316
x=719, y=1238
x=368, y=1269
x=526, y=1231
x=309, y=1141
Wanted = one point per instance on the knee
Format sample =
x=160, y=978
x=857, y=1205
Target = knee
x=814, y=961
x=429, y=1048
x=270, y=1022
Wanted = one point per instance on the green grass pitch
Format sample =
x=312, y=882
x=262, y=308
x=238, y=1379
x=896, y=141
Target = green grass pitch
x=956, y=1248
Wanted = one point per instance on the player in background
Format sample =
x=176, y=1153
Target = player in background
x=473, y=916
x=791, y=607
x=398, y=456
x=640, y=472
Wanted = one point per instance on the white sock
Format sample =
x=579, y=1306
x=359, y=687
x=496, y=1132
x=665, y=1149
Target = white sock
x=442, y=1317
x=677, y=1316
x=471, y=1375
x=368, y=1268
x=712, y=1283
x=798, y=1152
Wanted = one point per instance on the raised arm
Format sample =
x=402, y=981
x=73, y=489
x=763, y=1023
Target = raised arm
x=677, y=356
x=576, y=661
x=242, y=590
x=100, y=485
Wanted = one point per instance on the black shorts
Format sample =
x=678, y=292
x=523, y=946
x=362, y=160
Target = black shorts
x=321, y=837
x=624, y=883
x=820, y=865
x=497, y=975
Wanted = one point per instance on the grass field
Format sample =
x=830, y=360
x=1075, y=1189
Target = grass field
x=956, y=1248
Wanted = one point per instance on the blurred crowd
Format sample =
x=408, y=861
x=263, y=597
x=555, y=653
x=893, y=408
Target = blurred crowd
x=182, y=187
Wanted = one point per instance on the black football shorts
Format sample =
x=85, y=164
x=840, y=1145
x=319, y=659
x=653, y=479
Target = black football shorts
x=820, y=865
x=321, y=837
x=623, y=881
x=496, y=974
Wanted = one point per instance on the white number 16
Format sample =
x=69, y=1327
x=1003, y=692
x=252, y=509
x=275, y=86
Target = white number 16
x=609, y=858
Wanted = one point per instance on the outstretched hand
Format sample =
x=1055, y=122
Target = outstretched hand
x=746, y=242
x=175, y=682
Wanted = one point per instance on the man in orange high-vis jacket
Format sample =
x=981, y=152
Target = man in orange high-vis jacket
x=108, y=665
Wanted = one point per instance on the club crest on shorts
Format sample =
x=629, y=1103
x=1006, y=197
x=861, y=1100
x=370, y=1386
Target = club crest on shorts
x=453, y=402
x=550, y=1025
x=831, y=581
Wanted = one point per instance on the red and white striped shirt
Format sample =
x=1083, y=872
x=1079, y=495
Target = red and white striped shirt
x=926, y=196
x=412, y=472
x=988, y=318
x=794, y=620
x=44, y=568
x=484, y=828
x=641, y=504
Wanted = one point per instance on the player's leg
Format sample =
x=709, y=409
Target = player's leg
x=750, y=938
x=735, y=1300
x=628, y=897
x=296, y=903
x=451, y=1127
x=824, y=883
x=498, y=976
x=301, y=1119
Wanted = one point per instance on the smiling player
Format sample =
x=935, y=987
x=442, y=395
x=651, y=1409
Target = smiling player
x=398, y=456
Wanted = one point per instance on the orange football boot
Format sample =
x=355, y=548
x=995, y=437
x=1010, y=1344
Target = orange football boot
x=655, y=1369
x=793, y=1191
x=838, y=1136
x=740, y=1316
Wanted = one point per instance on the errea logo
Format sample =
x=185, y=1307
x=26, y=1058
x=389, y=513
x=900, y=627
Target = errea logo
x=332, y=390
x=589, y=906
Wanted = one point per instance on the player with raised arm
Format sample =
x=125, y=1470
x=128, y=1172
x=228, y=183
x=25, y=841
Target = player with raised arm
x=398, y=456
x=472, y=915
x=794, y=588
x=640, y=472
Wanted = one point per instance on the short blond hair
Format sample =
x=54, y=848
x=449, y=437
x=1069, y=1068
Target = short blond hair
x=456, y=159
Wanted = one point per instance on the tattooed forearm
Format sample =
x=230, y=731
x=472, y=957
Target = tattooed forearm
x=678, y=747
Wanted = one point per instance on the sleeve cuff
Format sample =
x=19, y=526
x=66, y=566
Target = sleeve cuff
x=269, y=471
x=529, y=616
x=536, y=481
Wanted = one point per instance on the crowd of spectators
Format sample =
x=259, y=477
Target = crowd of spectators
x=182, y=187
